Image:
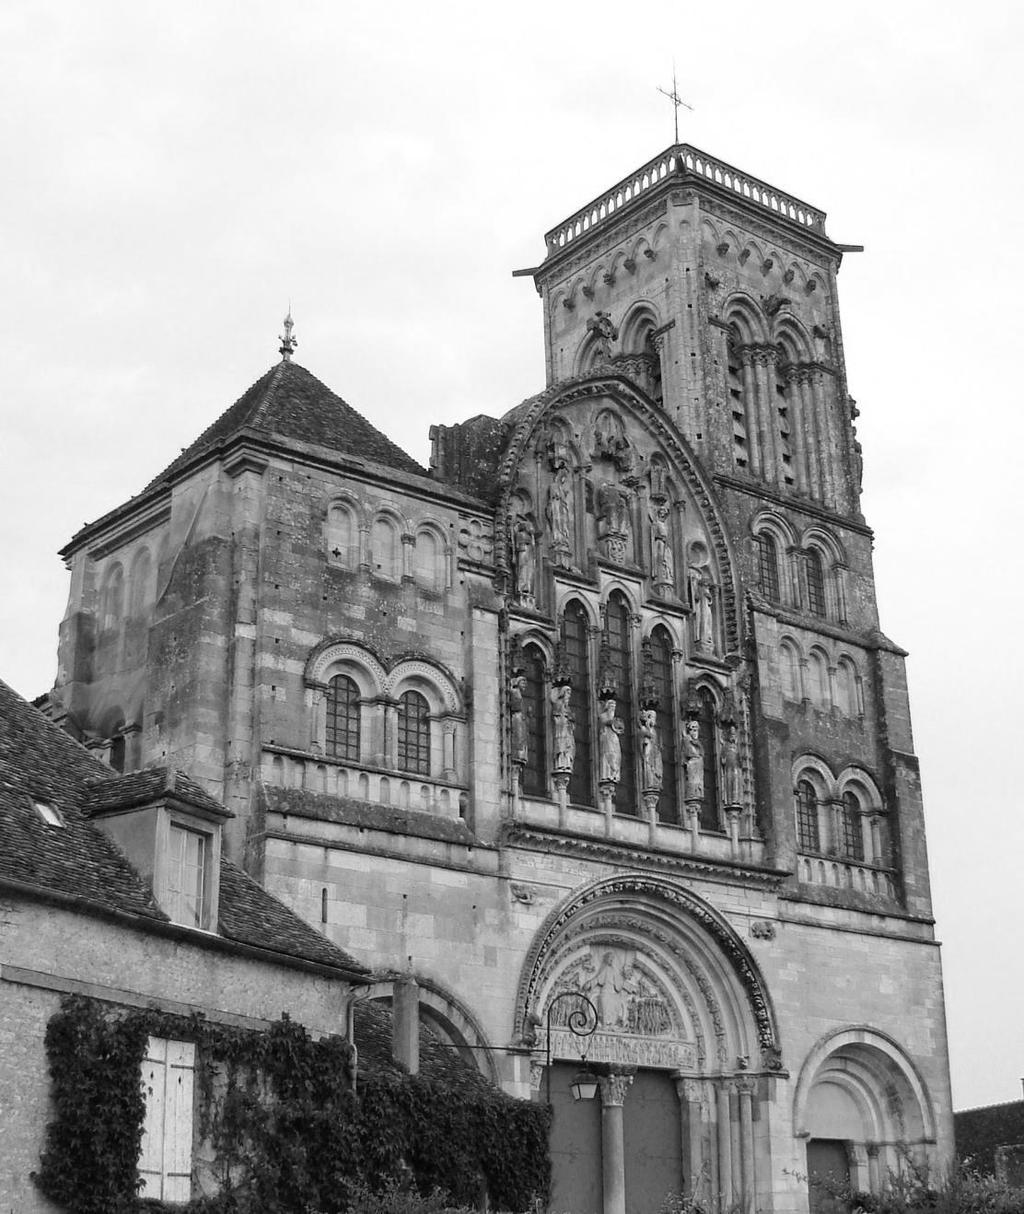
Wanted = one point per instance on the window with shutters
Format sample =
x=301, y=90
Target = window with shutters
x=168, y=1084
x=414, y=733
x=808, y=832
x=342, y=732
x=187, y=876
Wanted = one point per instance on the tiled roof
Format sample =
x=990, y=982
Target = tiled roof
x=291, y=403
x=137, y=787
x=39, y=762
x=374, y=1026
x=368, y=814
x=979, y=1131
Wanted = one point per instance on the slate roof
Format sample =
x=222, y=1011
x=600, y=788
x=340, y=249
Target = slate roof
x=374, y=1026
x=291, y=403
x=979, y=1131
x=38, y=761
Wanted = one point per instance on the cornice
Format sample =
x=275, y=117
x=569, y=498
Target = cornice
x=822, y=513
x=871, y=639
x=642, y=859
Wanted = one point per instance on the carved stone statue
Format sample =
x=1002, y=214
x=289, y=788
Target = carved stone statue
x=693, y=760
x=524, y=542
x=702, y=596
x=563, y=722
x=516, y=690
x=605, y=332
x=559, y=513
x=610, y=749
x=663, y=570
x=732, y=772
x=651, y=767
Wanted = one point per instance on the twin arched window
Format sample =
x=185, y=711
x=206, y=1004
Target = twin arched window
x=413, y=719
x=342, y=735
x=837, y=826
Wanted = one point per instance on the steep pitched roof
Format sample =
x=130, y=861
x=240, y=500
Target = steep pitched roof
x=291, y=403
x=39, y=762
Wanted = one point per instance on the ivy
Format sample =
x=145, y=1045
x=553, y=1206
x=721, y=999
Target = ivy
x=281, y=1128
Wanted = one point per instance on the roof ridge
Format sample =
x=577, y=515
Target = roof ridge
x=269, y=392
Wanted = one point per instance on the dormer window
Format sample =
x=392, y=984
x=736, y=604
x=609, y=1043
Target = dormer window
x=187, y=864
x=49, y=813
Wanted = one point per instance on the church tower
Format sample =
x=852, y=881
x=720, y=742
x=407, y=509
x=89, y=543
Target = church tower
x=590, y=727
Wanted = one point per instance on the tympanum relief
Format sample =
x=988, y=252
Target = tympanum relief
x=637, y=1021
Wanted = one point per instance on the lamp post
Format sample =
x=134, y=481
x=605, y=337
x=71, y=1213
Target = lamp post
x=581, y=1022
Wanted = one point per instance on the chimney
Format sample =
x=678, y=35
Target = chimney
x=405, y=1040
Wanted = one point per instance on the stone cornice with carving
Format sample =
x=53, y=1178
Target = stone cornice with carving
x=653, y=860
x=812, y=509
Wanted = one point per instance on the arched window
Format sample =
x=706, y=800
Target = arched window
x=429, y=560
x=342, y=735
x=708, y=722
x=118, y=750
x=846, y=688
x=342, y=535
x=112, y=606
x=535, y=773
x=783, y=420
x=387, y=557
x=852, y=841
x=808, y=833
x=661, y=673
x=414, y=733
x=618, y=648
x=738, y=403
x=818, y=677
x=815, y=582
x=789, y=662
x=138, y=594
x=768, y=568
x=576, y=648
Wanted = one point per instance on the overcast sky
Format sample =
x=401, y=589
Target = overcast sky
x=176, y=173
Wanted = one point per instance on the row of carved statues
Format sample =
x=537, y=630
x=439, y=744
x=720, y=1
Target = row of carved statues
x=610, y=730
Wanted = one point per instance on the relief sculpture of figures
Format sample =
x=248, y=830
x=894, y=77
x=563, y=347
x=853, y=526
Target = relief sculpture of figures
x=564, y=738
x=662, y=562
x=693, y=760
x=732, y=771
x=650, y=751
x=610, y=747
x=560, y=514
x=605, y=332
x=524, y=542
x=516, y=690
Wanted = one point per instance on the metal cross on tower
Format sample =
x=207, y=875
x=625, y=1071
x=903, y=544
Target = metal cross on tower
x=676, y=100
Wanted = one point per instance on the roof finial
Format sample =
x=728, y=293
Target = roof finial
x=676, y=100
x=288, y=343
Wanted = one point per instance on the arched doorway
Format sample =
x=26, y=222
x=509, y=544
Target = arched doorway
x=685, y=1045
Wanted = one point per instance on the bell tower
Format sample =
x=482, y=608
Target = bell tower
x=716, y=294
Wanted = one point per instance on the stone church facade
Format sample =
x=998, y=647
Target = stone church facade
x=594, y=713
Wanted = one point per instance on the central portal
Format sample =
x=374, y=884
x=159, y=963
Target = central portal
x=652, y=1139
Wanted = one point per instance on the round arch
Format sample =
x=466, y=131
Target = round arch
x=671, y=979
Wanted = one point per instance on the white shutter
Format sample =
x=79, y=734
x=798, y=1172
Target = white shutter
x=168, y=1081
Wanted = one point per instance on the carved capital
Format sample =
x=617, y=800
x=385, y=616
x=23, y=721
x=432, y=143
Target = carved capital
x=614, y=1088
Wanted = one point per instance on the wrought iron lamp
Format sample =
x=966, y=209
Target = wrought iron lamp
x=581, y=1022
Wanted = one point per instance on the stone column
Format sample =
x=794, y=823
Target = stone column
x=826, y=443
x=724, y=1136
x=767, y=414
x=802, y=387
x=448, y=762
x=696, y=1178
x=613, y=1149
x=874, y=1170
x=750, y=410
x=317, y=742
x=389, y=735
x=745, y=1088
x=364, y=547
x=797, y=427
